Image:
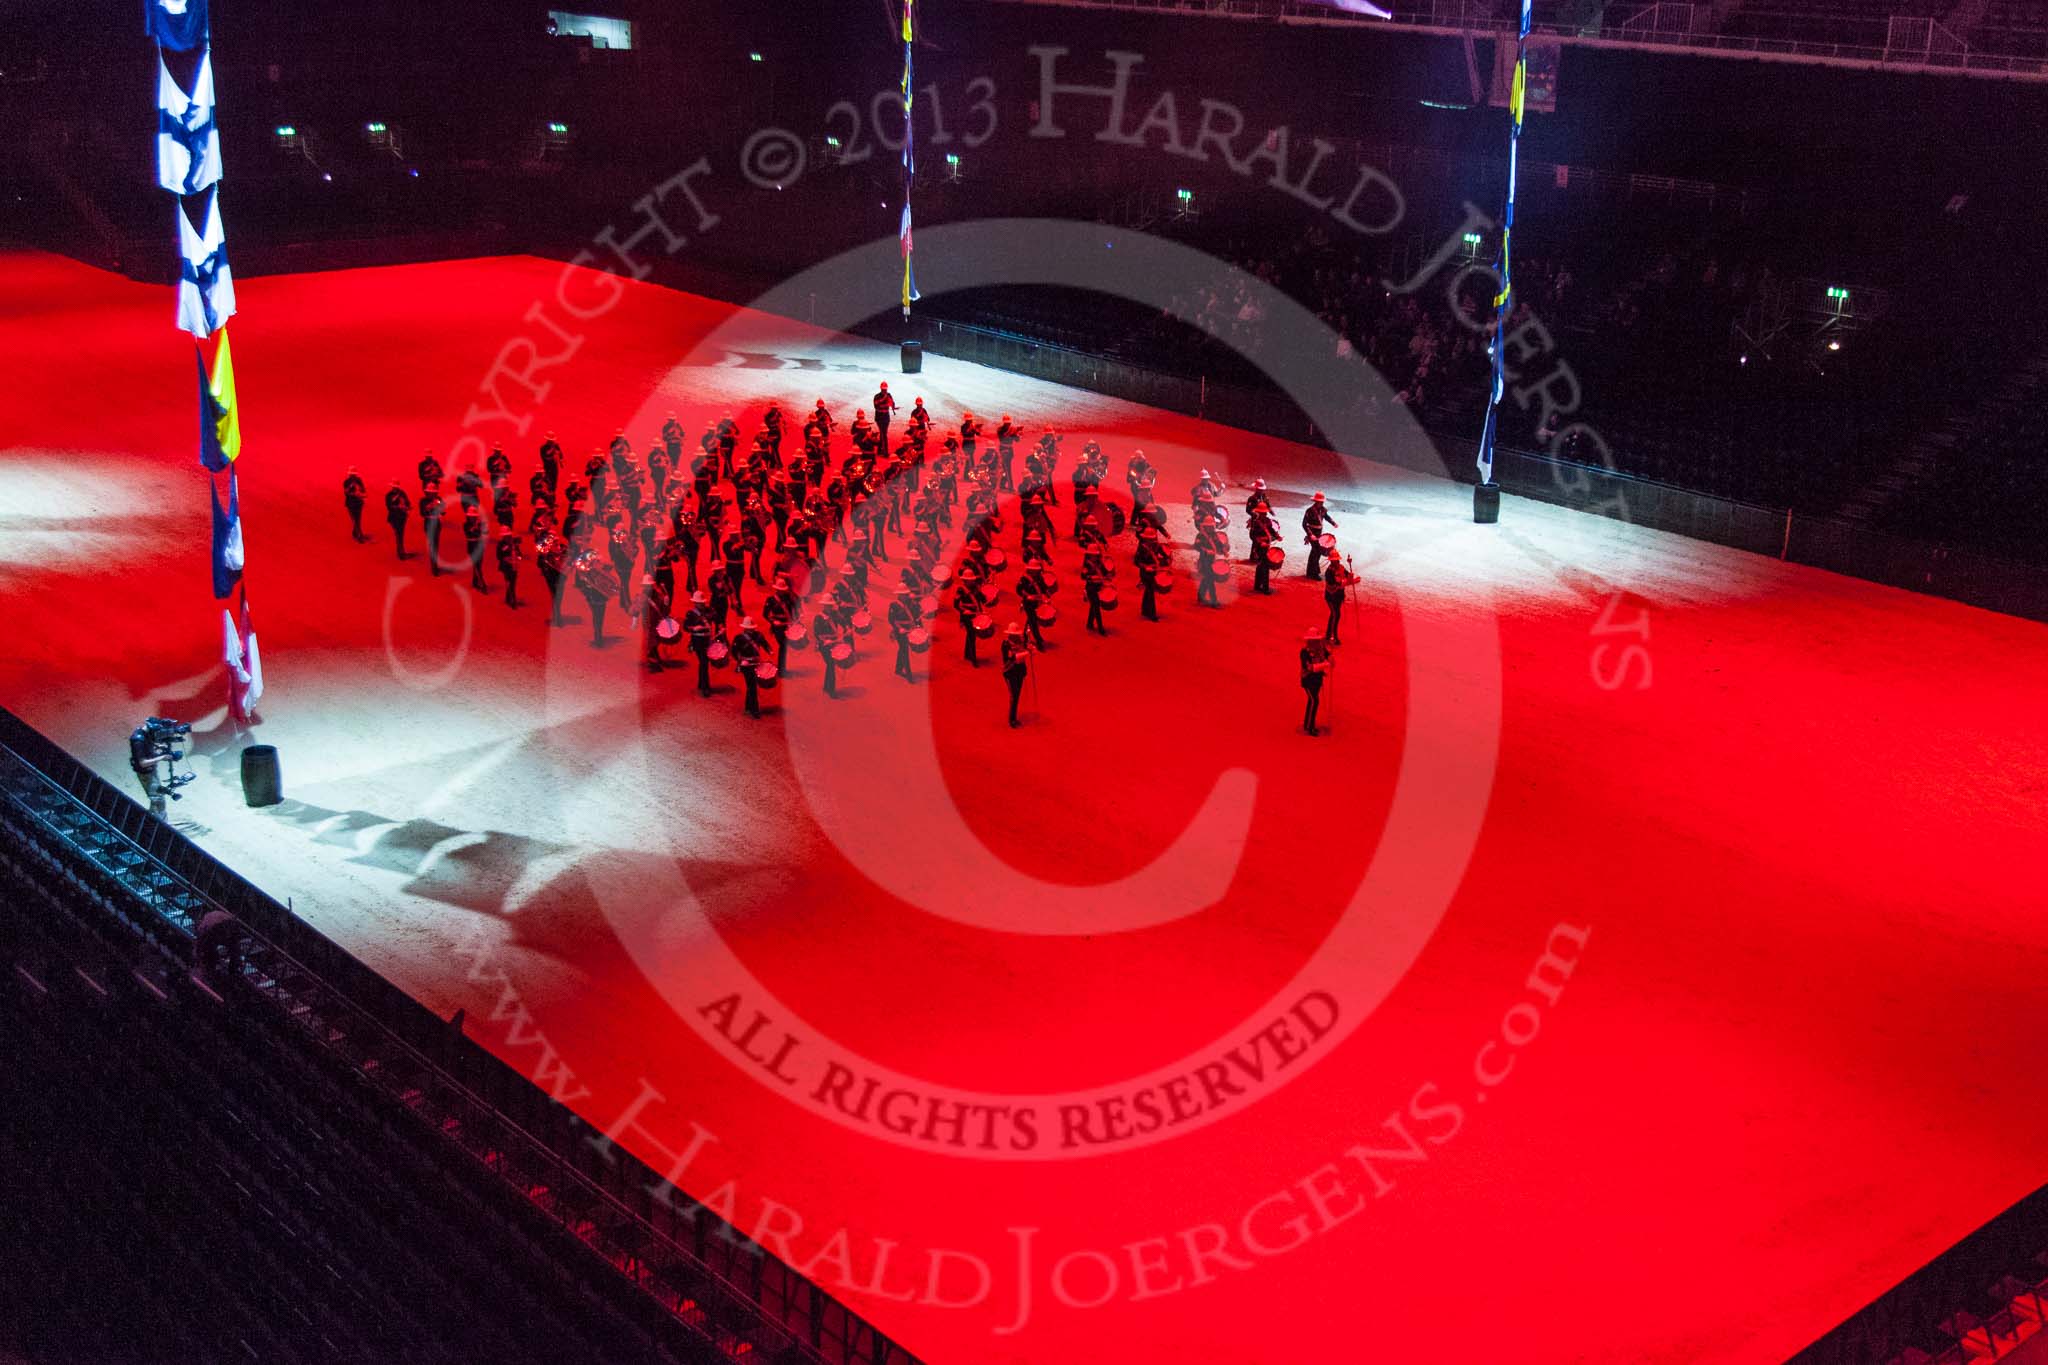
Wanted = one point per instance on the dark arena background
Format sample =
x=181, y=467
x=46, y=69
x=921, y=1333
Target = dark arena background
x=1344, y=781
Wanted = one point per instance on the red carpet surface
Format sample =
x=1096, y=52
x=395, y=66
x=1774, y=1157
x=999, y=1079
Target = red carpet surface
x=1154, y=1028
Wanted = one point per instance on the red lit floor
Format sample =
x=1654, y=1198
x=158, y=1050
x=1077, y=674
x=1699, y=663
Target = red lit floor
x=1794, y=853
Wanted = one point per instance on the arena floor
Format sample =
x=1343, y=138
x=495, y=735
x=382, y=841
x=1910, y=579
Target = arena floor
x=1318, y=1094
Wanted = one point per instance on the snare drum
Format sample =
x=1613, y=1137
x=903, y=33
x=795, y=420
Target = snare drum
x=719, y=654
x=796, y=634
x=942, y=574
x=863, y=622
x=842, y=654
x=668, y=630
x=1106, y=595
x=1162, y=581
x=1274, y=554
x=928, y=604
x=1327, y=541
x=983, y=625
x=766, y=675
x=920, y=640
x=1046, y=613
x=996, y=559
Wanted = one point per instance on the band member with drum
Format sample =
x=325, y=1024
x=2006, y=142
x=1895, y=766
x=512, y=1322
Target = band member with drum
x=353, y=496
x=432, y=508
x=430, y=471
x=1140, y=476
x=828, y=635
x=1335, y=581
x=1016, y=666
x=1150, y=561
x=971, y=601
x=469, y=490
x=1313, y=519
x=904, y=618
x=473, y=542
x=701, y=627
x=655, y=601
x=1212, y=544
x=508, y=565
x=1096, y=573
x=1256, y=501
x=1034, y=594
x=771, y=432
x=970, y=432
x=398, y=511
x=750, y=656
x=781, y=609
x=736, y=571
x=1315, y=667
x=1265, y=533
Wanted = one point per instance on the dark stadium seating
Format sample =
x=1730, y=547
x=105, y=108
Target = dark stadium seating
x=233, y=1163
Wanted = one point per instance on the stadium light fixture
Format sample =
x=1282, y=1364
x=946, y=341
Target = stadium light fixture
x=1471, y=239
x=754, y=56
x=953, y=160
x=1838, y=294
x=558, y=127
x=1186, y=197
x=287, y=130
x=831, y=141
x=1834, y=345
x=375, y=128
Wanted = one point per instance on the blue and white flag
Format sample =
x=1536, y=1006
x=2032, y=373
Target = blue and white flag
x=179, y=25
x=227, y=539
x=206, y=288
x=187, y=141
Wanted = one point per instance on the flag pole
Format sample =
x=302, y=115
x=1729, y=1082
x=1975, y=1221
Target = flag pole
x=1486, y=497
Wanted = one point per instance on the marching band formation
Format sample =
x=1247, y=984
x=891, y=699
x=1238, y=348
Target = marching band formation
x=825, y=535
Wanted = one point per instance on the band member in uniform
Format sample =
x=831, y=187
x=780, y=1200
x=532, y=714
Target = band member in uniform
x=671, y=441
x=551, y=461
x=1016, y=666
x=598, y=583
x=504, y=506
x=1335, y=580
x=749, y=652
x=1149, y=560
x=508, y=565
x=825, y=634
x=1008, y=433
x=1313, y=519
x=1315, y=667
x=970, y=432
x=353, y=496
x=1265, y=534
x=655, y=600
x=1096, y=572
x=551, y=553
x=782, y=608
x=736, y=571
x=918, y=416
x=473, y=542
x=969, y=600
x=1256, y=501
x=619, y=545
x=1034, y=590
x=701, y=627
x=904, y=618
x=432, y=508
x=1212, y=543
x=885, y=410
x=398, y=511
x=499, y=467
x=430, y=471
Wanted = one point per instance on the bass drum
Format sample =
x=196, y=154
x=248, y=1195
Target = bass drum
x=920, y=640
x=1106, y=595
x=796, y=634
x=766, y=675
x=983, y=626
